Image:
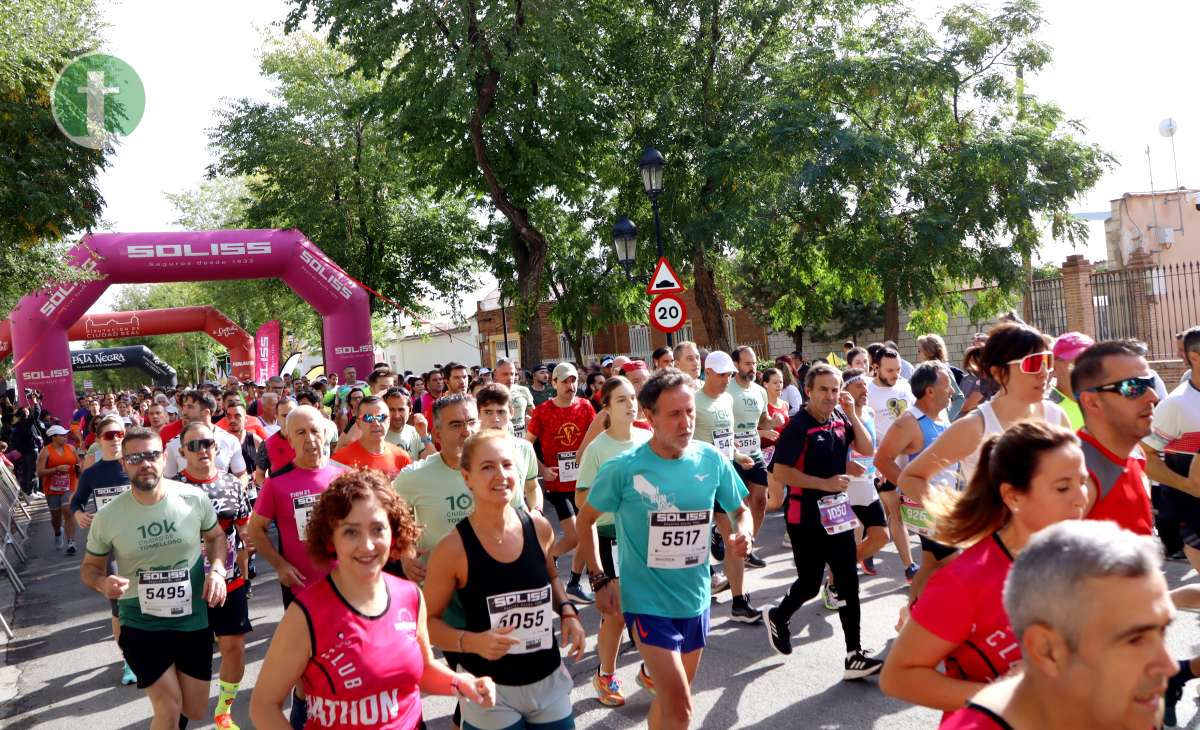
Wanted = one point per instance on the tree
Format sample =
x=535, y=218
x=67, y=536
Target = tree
x=50, y=191
x=962, y=170
x=321, y=158
x=509, y=101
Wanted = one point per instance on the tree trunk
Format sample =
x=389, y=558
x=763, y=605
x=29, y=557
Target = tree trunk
x=712, y=312
x=798, y=339
x=891, y=314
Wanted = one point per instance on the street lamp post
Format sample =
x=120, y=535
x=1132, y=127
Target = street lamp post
x=651, y=167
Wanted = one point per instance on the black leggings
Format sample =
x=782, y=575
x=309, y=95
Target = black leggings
x=812, y=550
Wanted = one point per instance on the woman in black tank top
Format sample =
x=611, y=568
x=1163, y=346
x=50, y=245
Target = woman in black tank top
x=496, y=561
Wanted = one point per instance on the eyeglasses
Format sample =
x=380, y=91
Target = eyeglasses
x=1035, y=363
x=374, y=418
x=112, y=435
x=140, y=456
x=198, y=445
x=1129, y=387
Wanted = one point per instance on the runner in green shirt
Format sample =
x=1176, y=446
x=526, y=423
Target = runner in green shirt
x=154, y=532
x=751, y=423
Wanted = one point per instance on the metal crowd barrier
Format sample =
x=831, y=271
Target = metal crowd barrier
x=12, y=532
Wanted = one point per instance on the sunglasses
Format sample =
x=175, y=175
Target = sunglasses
x=137, y=458
x=1128, y=388
x=197, y=445
x=1035, y=363
x=112, y=435
x=375, y=418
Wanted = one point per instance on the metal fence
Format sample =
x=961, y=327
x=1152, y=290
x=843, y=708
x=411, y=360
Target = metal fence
x=1174, y=291
x=1049, y=310
x=12, y=532
x=1113, y=303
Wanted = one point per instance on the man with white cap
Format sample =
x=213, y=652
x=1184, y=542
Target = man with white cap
x=560, y=424
x=714, y=425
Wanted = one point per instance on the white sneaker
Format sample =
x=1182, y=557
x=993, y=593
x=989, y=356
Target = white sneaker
x=59, y=541
x=787, y=541
x=71, y=547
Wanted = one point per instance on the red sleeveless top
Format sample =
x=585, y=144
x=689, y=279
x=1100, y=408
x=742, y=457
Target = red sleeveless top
x=365, y=670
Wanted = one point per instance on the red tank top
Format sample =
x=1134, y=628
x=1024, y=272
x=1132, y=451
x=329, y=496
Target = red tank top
x=364, y=670
x=1122, y=495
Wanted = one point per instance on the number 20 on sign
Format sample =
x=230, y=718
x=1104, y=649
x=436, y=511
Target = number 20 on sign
x=667, y=313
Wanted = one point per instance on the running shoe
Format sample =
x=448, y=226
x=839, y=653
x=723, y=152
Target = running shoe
x=225, y=722
x=778, y=634
x=911, y=572
x=868, y=566
x=860, y=666
x=829, y=597
x=716, y=544
x=645, y=681
x=579, y=593
x=58, y=541
x=787, y=541
x=754, y=561
x=719, y=583
x=743, y=612
x=608, y=689
x=71, y=547
x=128, y=677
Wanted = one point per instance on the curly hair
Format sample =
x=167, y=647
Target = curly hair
x=339, y=498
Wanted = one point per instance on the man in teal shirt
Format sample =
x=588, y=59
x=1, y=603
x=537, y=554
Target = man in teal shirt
x=662, y=494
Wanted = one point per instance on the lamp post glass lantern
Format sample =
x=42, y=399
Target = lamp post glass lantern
x=651, y=166
x=625, y=241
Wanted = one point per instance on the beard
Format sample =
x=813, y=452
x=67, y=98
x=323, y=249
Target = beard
x=145, y=481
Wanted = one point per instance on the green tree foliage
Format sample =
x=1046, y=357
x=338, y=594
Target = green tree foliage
x=50, y=192
x=961, y=170
x=321, y=157
x=511, y=101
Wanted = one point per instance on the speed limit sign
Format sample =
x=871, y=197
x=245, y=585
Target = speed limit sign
x=667, y=313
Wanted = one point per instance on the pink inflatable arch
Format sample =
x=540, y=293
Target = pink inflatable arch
x=40, y=321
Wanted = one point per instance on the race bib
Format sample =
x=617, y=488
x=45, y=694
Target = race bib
x=678, y=539
x=836, y=514
x=60, y=483
x=519, y=431
x=915, y=517
x=747, y=442
x=104, y=495
x=723, y=440
x=165, y=593
x=568, y=466
x=529, y=613
x=302, y=508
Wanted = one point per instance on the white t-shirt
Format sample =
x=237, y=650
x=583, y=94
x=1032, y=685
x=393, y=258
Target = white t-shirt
x=229, y=454
x=889, y=403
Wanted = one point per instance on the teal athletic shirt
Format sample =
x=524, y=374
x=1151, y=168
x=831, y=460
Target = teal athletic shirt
x=638, y=482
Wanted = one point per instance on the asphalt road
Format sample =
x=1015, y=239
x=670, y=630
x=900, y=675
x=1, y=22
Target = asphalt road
x=62, y=669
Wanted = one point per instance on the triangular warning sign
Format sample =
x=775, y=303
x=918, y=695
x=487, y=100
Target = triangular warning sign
x=665, y=280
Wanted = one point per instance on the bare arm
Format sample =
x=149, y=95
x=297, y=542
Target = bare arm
x=910, y=671
x=439, y=679
x=897, y=442
x=572, y=628
x=286, y=659
x=533, y=495
x=1158, y=471
x=93, y=572
x=955, y=444
x=256, y=530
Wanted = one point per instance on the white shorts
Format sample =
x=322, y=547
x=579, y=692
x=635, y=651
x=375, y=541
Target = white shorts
x=545, y=703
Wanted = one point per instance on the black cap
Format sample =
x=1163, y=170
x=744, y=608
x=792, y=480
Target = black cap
x=542, y=366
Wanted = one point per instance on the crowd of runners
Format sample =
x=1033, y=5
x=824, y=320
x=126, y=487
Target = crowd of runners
x=406, y=519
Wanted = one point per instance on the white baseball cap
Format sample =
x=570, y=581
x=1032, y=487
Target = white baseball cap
x=565, y=370
x=720, y=363
x=56, y=430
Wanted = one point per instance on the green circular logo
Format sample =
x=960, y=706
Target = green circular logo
x=97, y=98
